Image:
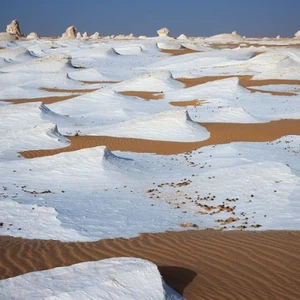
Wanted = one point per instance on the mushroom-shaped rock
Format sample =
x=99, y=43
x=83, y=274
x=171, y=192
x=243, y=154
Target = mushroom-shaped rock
x=32, y=36
x=95, y=36
x=297, y=34
x=70, y=33
x=163, y=32
x=14, y=28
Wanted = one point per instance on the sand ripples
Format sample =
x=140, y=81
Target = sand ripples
x=200, y=264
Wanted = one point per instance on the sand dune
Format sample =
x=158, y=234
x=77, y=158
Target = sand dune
x=220, y=133
x=197, y=264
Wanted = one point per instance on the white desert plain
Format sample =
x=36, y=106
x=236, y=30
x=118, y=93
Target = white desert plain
x=149, y=167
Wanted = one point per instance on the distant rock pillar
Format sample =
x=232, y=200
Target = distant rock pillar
x=14, y=28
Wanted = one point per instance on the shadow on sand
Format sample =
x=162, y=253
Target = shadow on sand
x=177, y=278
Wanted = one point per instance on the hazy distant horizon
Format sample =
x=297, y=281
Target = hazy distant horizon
x=193, y=18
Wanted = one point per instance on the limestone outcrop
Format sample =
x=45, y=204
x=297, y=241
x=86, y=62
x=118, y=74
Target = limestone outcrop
x=163, y=32
x=95, y=36
x=14, y=28
x=70, y=33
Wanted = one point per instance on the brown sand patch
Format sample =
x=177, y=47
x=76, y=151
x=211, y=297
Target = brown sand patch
x=249, y=44
x=45, y=100
x=99, y=82
x=188, y=103
x=54, y=90
x=197, y=264
x=181, y=51
x=145, y=95
x=245, y=81
x=190, y=82
x=220, y=133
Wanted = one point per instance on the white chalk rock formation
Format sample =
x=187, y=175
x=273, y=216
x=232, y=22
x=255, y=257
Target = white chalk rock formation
x=32, y=36
x=278, y=37
x=125, y=278
x=78, y=35
x=14, y=28
x=297, y=34
x=163, y=32
x=70, y=33
x=182, y=37
x=5, y=37
x=85, y=35
x=95, y=36
x=225, y=38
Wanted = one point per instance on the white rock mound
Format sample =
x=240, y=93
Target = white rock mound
x=32, y=36
x=95, y=36
x=78, y=35
x=114, y=278
x=225, y=38
x=14, y=28
x=85, y=35
x=163, y=32
x=70, y=33
x=160, y=127
x=182, y=37
x=297, y=34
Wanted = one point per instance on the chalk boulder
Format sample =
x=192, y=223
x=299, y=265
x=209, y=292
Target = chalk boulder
x=163, y=32
x=70, y=33
x=14, y=28
x=32, y=36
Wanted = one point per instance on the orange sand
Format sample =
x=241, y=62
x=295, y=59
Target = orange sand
x=143, y=94
x=245, y=81
x=181, y=51
x=188, y=103
x=220, y=133
x=54, y=90
x=198, y=264
x=45, y=100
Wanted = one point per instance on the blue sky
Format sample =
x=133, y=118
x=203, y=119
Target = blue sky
x=252, y=18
